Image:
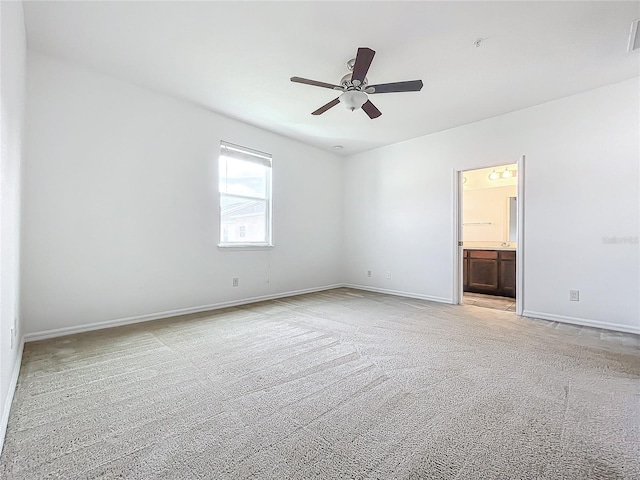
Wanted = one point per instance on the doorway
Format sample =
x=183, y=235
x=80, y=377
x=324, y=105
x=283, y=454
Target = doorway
x=488, y=266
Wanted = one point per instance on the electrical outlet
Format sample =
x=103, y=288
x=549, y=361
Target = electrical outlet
x=388, y=275
x=574, y=295
x=369, y=273
x=235, y=281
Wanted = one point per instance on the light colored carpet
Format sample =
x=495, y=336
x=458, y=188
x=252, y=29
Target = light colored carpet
x=339, y=384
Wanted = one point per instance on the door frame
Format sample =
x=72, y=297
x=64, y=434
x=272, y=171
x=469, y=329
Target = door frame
x=457, y=233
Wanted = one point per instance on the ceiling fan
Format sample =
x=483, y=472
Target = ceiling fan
x=355, y=86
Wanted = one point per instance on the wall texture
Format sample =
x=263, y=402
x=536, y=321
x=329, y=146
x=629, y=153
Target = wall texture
x=121, y=206
x=582, y=202
x=120, y=211
x=12, y=92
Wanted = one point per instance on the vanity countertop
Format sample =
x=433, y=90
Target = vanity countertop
x=508, y=249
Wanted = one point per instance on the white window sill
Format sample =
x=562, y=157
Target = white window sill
x=245, y=246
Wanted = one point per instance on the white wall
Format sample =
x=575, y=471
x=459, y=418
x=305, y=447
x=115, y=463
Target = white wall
x=582, y=189
x=120, y=205
x=121, y=209
x=12, y=93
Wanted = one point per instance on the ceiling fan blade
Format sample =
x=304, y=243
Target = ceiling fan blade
x=315, y=83
x=364, y=58
x=410, y=86
x=371, y=110
x=326, y=107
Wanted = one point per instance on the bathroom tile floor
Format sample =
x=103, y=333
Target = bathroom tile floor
x=489, y=301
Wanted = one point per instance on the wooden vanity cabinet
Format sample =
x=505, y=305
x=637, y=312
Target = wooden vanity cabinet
x=491, y=272
x=507, y=274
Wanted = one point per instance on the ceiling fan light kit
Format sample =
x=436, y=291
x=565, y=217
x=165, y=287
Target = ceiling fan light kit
x=355, y=86
x=353, y=99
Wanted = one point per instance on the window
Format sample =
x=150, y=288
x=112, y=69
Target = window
x=245, y=196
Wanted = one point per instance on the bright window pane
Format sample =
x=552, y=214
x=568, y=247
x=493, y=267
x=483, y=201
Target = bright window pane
x=245, y=196
x=243, y=220
x=239, y=177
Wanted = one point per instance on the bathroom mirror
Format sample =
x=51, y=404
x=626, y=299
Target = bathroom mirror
x=512, y=209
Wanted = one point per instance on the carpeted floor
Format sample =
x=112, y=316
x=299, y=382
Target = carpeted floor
x=338, y=384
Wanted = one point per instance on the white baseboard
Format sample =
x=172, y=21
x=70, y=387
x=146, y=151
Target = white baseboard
x=61, y=332
x=582, y=321
x=12, y=390
x=399, y=293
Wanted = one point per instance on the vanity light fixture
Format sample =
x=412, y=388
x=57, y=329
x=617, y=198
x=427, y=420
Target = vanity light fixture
x=506, y=174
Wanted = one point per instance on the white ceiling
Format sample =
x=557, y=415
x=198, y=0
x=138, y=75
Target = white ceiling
x=236, y=58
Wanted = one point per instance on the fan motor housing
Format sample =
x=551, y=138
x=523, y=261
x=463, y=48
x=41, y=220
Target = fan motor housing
x=348, y=84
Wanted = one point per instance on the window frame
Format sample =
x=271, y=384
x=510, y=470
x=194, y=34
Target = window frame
x=239, y=152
